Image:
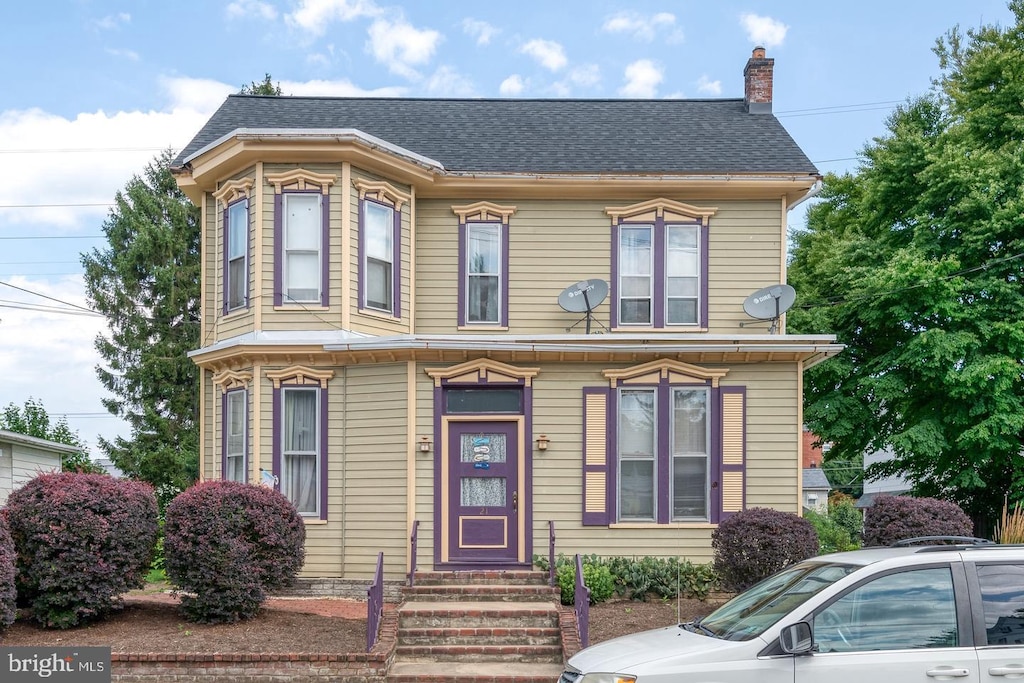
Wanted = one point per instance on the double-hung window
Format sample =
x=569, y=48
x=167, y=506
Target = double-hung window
x=663, y=444
x=380, y=255
x=236, y=255
x=483, y=264
x=300, y=448
x=660, y=265
x=303, y=246
x=235, y=464
x=483, y=273
x=676, y=444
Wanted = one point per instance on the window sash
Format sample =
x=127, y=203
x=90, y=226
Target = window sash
x=636, y=274
x=690, y=440
x=303, y=229
x=378, y=257
x=484, y=260
x=236, y=248
x=682, y=274
x=300, y=448
x=637, y=449
x=235, y=451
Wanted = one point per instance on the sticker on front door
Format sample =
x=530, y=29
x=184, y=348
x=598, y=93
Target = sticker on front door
x=483, y=484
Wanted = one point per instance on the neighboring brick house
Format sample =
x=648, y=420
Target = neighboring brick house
x=385, y=333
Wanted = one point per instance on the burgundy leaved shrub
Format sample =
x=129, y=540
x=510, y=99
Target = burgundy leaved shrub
x=895, y=518
x=82, y=541
x=226, y=544
x=754, y=544
x=8, y=560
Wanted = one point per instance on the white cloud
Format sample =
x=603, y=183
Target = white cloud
x=130, y=55
x=313, y=16
x=480, y=31
x=512, y=86
x=240, y=9
x=586, y=76
x=763, y=31
x=642, y=27
x=549, y=54
x=448, y=82
x=401, y=46
x=642, y=79
x=198, y=94
x=112, y=21
x=706, y=86
x=338, y=88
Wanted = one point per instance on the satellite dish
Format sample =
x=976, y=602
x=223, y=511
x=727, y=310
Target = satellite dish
x=583, y=297
x=769, y=303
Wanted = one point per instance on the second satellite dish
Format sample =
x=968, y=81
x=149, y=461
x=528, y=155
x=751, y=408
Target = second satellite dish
x=769, y=303
x=583, y=296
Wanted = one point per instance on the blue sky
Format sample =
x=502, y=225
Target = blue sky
x=93, y=89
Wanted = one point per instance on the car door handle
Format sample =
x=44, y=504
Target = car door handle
x=947, y=672
x=1011, y=671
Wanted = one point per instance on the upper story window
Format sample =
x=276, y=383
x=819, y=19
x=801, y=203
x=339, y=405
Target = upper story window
x=301, y=211
x=483, y=264
x=234, y=195
x=659, y=264
x=380, y=246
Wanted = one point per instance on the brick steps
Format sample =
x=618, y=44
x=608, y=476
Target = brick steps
x=478, y=627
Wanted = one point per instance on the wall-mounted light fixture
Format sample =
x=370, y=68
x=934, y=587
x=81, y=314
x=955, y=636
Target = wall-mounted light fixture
x=425, y=444
x=542, y=442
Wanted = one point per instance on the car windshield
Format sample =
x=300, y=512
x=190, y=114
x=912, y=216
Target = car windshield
x=752, y=612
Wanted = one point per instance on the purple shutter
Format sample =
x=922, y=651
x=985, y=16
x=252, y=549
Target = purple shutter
x=597, y=477
x=729, y=489
x=226, y=280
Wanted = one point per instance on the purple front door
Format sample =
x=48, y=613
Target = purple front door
x=484, y=496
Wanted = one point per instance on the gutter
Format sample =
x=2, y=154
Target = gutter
x=810, y=194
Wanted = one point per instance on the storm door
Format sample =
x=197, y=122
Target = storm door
x=483, y=481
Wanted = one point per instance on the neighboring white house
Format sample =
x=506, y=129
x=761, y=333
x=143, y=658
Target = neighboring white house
x=894, y=485
x=815, y=489
x=23, y=457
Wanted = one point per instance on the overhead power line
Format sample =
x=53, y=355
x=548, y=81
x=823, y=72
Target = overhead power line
x=45, y=296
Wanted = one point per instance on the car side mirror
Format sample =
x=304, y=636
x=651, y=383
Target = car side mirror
x=796, y=639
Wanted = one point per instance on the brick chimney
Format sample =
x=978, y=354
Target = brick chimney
x=757, y=82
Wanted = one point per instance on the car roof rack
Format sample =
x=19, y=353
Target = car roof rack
x=947, y=543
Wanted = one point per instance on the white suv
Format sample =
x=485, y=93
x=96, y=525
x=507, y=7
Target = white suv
x=879, y=615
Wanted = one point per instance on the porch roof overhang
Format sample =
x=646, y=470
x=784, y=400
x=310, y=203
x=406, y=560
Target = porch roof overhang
x=347, y=348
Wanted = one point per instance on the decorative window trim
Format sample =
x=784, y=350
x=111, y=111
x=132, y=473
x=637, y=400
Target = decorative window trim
x=232, y=379
x=659, y=213
x=302, y=180
x=300, y=375
x=483, y=212
x=233, y=190
x=483, y=371
x=674, y=371
x=383, y=192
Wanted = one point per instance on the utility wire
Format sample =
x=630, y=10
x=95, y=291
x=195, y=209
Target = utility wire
x=44, y=296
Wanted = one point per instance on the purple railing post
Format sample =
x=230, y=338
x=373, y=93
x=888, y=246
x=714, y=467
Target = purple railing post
x=582, y=604
x=375, y=604
x=551, y=553
x=412, y=552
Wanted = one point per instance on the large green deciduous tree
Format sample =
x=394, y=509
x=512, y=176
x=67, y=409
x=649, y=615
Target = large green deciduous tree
x=33, y=420
x=916, y=262
x=146, y=283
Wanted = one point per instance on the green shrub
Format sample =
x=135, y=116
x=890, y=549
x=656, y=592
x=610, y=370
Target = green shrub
x=597, y=578
x=755, y=543
x=82, y=541
x=844, y=513
x=832, y=538
x=894, y=518
x=664, y=577
x=8, y=562
x=226, y=544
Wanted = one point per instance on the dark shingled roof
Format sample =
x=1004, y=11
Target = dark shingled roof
x=538, y=136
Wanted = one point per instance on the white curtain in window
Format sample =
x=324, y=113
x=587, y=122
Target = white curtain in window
x=300, y=481
x=235, y=451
